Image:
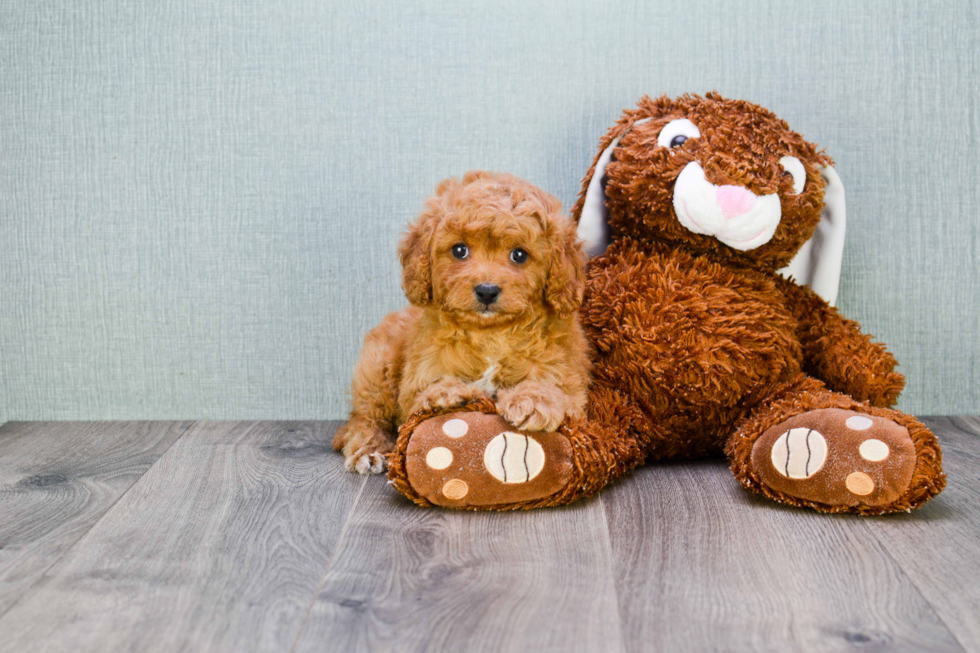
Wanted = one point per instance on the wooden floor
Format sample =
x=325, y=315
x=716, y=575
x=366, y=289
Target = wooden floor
x=216, y=536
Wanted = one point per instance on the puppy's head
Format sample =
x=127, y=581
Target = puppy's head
x=490, y=249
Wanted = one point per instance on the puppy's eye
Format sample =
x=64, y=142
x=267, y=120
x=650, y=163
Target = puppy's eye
x=677, y=132
x=793, y=167
x=460, y=251
x=518, y=255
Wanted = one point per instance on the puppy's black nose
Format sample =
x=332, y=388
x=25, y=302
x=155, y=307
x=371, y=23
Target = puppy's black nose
x=487, y=293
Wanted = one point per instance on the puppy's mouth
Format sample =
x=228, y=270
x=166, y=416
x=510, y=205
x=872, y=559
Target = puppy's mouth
x=489, y=315
x=482, y=315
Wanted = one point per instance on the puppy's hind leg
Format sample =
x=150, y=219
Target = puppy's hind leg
x=370, y=431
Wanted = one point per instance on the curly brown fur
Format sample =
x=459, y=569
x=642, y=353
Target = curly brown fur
x=451, y=348
x=660, y=325
x=835, y=350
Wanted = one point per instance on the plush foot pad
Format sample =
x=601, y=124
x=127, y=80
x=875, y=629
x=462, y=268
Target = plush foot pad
x=836, y=457
x=476, y=459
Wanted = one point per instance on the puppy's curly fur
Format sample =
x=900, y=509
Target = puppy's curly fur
x=524, y=348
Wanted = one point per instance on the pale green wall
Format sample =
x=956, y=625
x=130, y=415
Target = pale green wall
x=199, y=201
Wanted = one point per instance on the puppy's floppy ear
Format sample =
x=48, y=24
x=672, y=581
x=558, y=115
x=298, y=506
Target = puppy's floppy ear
x=415, y=249
x=415, y=252
x=565, y=287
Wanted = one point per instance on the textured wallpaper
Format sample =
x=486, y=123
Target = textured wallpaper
x=200, y=201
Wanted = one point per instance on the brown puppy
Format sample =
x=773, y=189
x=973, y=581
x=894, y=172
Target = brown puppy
x=495, y=274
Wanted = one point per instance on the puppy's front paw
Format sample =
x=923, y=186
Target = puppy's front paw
x=533, y=408
x=447, y=393
x=363, y=444
x=365, y=464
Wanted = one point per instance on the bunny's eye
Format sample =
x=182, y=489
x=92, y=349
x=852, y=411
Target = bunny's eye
x=460, y=251
x=793, y=167
x=677, y=132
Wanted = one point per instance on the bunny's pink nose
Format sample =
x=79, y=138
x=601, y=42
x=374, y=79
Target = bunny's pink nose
x=734, y=200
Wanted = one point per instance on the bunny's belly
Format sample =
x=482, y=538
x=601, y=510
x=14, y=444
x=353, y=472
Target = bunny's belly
x=694, y=344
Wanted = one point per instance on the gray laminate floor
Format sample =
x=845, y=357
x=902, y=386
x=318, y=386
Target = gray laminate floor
x=219, y=536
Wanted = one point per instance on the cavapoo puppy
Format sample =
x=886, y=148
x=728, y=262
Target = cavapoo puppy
x=495, y=275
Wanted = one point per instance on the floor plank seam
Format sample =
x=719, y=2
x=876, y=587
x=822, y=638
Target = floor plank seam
x=612, y=575
x=884, y=547
x=956, y=423
x=326, y=571
x=43, y=575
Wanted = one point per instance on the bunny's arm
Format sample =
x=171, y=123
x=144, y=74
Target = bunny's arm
x=838, y=353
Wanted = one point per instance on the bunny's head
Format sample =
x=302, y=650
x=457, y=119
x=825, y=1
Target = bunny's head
x=724, y=177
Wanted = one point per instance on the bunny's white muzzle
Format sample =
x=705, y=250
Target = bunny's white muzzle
x=734, y=215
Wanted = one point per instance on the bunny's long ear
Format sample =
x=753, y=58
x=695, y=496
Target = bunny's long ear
x=593, y=220
x=818, y=262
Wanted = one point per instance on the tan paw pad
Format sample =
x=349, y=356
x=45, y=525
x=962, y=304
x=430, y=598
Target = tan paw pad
x=859, y=483
x=836, y=457
x=874, y=450
x=513, y=458
x=439, y=458
x=455, y=489
x=859, y=423
x=455, y=428
x=465, y=459
x=799, y=453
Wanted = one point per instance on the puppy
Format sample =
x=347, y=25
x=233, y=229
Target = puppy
x=495, y=274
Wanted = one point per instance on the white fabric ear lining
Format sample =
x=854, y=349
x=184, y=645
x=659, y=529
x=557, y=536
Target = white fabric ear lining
x=593, y=222
x=818, y=263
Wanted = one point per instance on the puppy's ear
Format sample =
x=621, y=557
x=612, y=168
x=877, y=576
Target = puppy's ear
x=415, y=249
x=565, y=287
x=415, y=252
